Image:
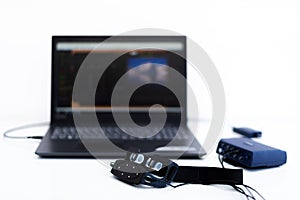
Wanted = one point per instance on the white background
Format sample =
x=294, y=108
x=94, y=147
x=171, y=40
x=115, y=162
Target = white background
x=255, y=46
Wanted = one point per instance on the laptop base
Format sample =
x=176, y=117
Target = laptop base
x=49, y=148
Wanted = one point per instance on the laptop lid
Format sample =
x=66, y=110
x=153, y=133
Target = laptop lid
x=69, y=52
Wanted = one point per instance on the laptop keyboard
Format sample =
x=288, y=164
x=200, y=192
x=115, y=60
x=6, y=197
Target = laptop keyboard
x=115, y=133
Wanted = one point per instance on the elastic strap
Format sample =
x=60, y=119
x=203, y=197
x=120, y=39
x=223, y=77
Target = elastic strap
x=209, y=175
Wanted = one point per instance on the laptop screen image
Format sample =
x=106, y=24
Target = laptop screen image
x=70, y=52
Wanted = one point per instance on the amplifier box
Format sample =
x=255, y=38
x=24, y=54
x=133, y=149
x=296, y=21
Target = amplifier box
x=250, y=154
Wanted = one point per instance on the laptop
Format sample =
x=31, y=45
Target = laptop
x=147, y=62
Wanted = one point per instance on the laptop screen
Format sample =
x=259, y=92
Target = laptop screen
x=69, y=52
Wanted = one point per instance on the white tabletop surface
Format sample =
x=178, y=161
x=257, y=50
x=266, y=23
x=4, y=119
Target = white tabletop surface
x=26, y=176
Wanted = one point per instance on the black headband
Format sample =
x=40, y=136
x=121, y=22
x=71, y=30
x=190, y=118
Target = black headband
x=159, y=172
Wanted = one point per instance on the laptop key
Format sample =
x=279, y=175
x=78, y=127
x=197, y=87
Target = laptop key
x=70, y=137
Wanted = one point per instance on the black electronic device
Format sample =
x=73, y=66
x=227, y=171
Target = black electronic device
x=160, y=55
x=250, y=154
x=159, y=172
